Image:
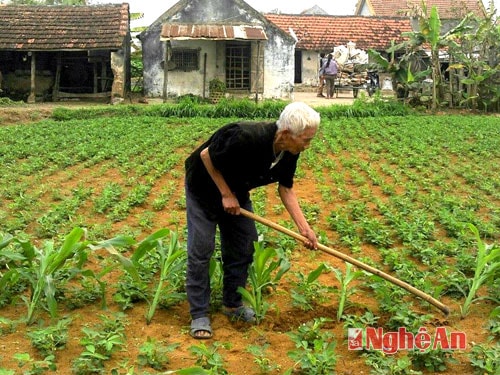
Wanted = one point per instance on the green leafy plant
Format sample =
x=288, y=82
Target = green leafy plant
x=345, y=290
x=435, y=360
x=209, y=358
x=154, y=354
x=307, y=291
x=487, y=268
x=44, y=263
x=216, y=85
x=314, y=351
x=99, y=344
x=169, y=265
x=382, y=364
x=265, y=272
x=36, y=367
x=484, y=358
x=47, y=340
x=265, y=364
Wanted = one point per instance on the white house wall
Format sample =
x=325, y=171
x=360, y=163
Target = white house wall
x=279, y=67
x=183, y=83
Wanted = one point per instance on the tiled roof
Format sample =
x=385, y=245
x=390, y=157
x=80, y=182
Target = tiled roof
x=323, y=32
x=47, y=27
x=447, y=9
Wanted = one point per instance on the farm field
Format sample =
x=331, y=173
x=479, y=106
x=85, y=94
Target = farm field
x=401, y=193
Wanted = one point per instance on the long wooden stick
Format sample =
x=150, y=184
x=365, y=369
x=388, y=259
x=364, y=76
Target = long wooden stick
x=445, y=309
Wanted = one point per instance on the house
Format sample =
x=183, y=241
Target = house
x=447, y=9
x=196, y=41
x=320, y=33
x=64, y=52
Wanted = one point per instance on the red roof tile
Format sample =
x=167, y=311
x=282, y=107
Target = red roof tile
x=447, y=9
x=324, y=32
x=47, y=27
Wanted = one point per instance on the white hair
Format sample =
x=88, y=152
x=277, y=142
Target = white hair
x=298, y=116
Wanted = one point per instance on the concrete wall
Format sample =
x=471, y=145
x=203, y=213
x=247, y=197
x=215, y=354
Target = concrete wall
x=279, y=65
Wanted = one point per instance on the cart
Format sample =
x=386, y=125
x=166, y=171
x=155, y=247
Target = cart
x=355, y=81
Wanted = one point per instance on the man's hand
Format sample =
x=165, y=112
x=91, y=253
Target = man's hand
x=312, y=241
x=231, y=204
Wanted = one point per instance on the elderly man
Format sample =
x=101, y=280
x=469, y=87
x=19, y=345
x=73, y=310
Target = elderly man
x=219, y=176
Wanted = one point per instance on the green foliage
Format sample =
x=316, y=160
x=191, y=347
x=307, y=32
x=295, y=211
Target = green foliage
x=47, y=340
x=154, y=354
x=35, y=367
x=484, y=358
x=487, y=269
x=307, y=291
x=264, y=272
x=216, y=85
x=345, y=290
x=241, y=108
x=435, y=360
x=265, y=364
x=99, y=343
x=209, y=358
x=314, y=351
x=382, y=364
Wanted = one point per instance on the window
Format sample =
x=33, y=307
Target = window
x=185, y=59
x=238, y=66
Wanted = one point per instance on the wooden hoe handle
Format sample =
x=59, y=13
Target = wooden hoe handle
x=445, y=309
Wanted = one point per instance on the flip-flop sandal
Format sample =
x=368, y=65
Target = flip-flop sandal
x=242, y=313
x=201, y=325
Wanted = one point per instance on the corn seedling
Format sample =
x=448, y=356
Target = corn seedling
x=345, y=290
x=486, y=270
x=43, y=264
x=261, y=278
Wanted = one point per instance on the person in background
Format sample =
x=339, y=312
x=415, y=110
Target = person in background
x=321, y=76
x=219, y=176
x=330, y=69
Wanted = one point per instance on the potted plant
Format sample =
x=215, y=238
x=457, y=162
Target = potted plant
x=217, y=89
